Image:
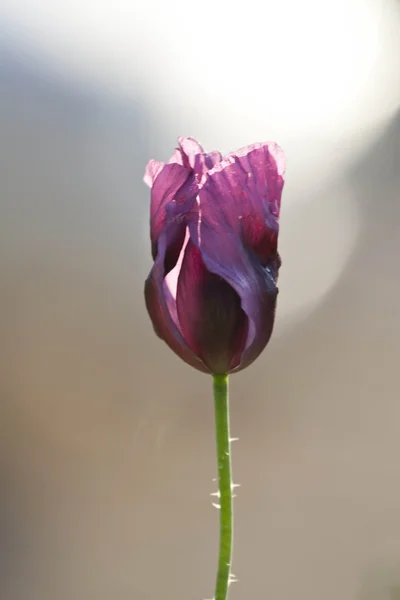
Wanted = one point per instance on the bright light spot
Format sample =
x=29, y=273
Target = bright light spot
x=320, y=78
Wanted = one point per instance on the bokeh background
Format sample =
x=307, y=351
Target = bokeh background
x=106, y=438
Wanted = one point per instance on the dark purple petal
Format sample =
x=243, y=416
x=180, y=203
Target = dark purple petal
x=195, y=158
x=224, y=254
x=260, y=239
x=243, y=192
x=168, y=186
x=263, y=318
x=175, y=181
x=162, y=309
x=205, y=162
x=210, y=314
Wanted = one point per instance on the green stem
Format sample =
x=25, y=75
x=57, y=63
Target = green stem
x=221, y=403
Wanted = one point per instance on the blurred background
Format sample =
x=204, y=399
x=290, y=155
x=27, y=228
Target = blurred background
x=106, y=439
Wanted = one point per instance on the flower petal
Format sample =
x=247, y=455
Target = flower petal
x=274, y=152
x=239, y=201
x=205, y=162
x=210, y=315
x=177, y=157
x=264, y=165
x=243, y=191
x=190, y=148
x=195, y=158
x=152, y=169
x=168, y=183
x=161, y=306
x=224, y=254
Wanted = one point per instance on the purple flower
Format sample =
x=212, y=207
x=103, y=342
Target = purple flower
x=211, y=293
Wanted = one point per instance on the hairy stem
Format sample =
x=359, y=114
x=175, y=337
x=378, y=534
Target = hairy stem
x=221, y=404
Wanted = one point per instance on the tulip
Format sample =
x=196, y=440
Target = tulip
x=211, y=293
